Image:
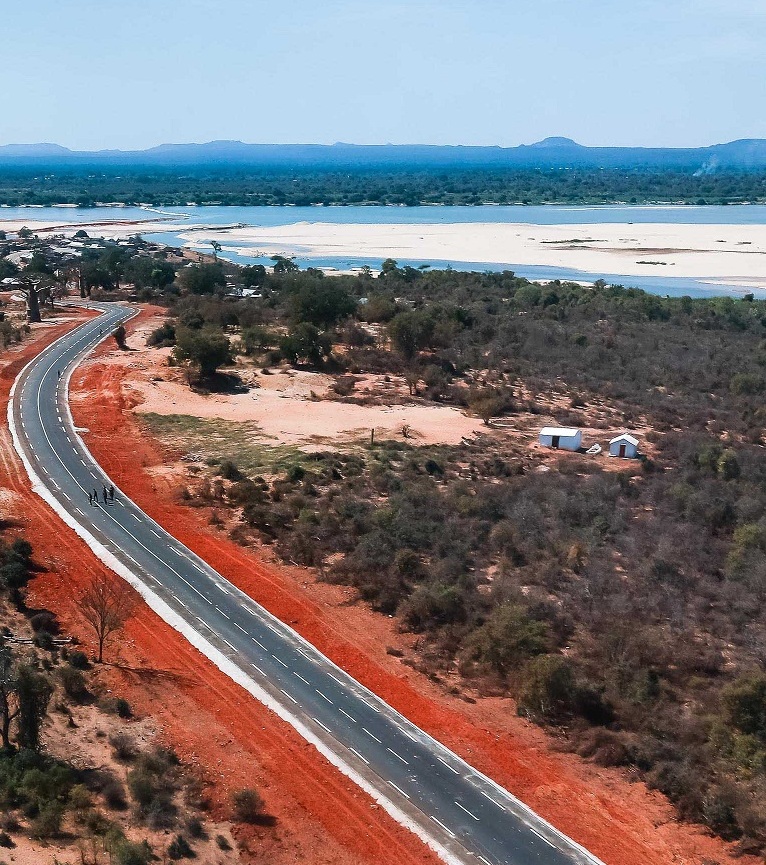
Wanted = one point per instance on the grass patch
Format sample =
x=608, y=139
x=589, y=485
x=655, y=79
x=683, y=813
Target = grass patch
x=216, y=440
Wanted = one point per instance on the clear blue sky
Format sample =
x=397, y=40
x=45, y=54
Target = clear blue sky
x=93, y=74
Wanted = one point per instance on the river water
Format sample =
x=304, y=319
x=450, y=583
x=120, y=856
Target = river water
x=179, y=220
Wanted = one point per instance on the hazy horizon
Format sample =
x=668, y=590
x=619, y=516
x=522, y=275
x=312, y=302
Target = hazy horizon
x=530, y=143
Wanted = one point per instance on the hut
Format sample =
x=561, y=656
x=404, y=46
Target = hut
x=624, y=446
x=566, y=438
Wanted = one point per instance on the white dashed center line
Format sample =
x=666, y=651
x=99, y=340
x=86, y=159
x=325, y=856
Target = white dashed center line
x=398, y=756
x=462, y=808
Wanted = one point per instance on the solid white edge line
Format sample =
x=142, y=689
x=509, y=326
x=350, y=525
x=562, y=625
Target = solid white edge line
x=518, y=808
x=220, y=660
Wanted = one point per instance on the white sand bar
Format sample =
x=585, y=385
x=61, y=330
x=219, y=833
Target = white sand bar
x=731, y=254
x=721, y=253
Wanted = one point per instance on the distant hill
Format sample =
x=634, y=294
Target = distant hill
x=551, y=153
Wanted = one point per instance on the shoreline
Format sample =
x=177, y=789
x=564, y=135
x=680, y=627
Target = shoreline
x=727, y=255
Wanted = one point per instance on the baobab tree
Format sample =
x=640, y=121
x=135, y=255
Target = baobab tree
x=106, y=605
x=36, y=290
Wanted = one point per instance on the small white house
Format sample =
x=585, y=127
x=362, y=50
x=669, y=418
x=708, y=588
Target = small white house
x=624, y=446
x=566, y=438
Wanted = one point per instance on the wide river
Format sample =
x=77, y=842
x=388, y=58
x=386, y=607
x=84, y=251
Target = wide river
x=179, y=221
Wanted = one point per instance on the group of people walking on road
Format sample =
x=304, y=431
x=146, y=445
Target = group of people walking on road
x=108, y=495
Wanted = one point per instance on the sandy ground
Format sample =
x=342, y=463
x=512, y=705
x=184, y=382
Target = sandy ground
x=732, y=254
x=722, y=253
x=286, y=416
x=292, y=407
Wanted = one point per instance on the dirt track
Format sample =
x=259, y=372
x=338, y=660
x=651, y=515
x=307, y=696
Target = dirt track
x=322, y=818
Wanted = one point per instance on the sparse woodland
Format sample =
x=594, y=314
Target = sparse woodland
x=625, y=609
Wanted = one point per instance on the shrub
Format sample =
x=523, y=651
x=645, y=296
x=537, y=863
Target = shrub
x=195, y=827
x=142, y=786
x=129, y=853
x=74, y=685
x=44, y=621
x=549, y=690
x=179, y=848
x=79, y=798
x=78, y=660
x=120, y=335
x=163, y=336
x=47, y=824
x=114, y=795
x=229, y=471
x=122, y=708
x=247, y=805
x=124, y=746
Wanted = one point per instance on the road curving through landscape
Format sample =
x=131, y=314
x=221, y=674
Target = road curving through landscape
x=460, y=813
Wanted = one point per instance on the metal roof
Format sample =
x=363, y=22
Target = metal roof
x=561, y=431
x=624, y=437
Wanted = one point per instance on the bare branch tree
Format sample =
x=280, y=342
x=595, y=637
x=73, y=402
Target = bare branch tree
x=106, y=605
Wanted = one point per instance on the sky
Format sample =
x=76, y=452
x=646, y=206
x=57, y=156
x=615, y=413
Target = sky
x=130, y=74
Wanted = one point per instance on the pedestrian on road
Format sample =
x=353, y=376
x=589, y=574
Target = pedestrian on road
x=106, y=495
x=95, y=496
x=111, y=493
x=90, y=499
x=58, y=373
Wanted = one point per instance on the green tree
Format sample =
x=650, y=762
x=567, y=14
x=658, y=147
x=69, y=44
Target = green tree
x=34, y=692
x=487, y=403
x=305, y=342
x=202, y=278
x=206, y=349
x=322, y=303
x=144, y=271
x=253, y=276
x=549, y=688
x=257, y=338
x=411, y=331
x=282, y=264
x=744, y=703
x=507, y=639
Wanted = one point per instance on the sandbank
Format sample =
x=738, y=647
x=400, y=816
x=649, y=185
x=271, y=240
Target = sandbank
x=733, y=254
x=723, y=254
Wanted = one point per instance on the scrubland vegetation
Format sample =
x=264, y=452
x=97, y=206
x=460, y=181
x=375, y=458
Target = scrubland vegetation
x=624, y=608
x=139, y=805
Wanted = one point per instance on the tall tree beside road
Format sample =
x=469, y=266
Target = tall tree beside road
x=106, y=605
x=35, y=290
x=206, y=349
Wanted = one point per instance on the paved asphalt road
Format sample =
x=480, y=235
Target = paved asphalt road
x=444, y=798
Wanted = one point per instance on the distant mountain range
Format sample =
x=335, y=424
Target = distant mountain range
x=551, y=153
